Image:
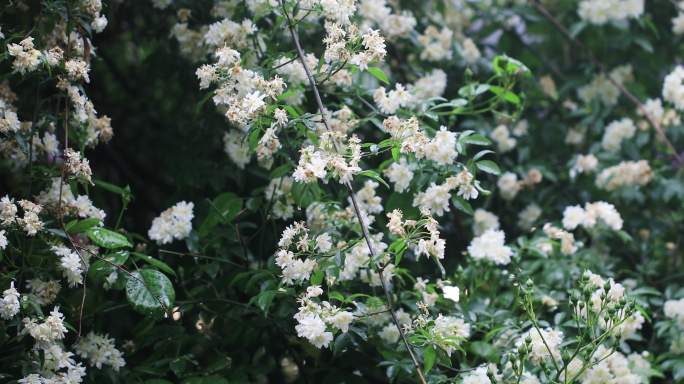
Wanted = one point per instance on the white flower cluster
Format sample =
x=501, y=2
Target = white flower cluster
x=437, y=44
x=603, y=89
x=502, y=137
x=567, y=239
x=604, y=11
x=529, y=215
x=29, y=223
x=98, y=129
x=393, y=25
x=173, y=223
x=390, y=102
x=76, y=165
x=484, y=220
x=100, y=350
x=26, y=57
x=314, y=318
x=589, y=216
x=400, y=174
x=9, y=304
x=338, y=39
x=584, y=164
x=48, y=335
x=436, y=198
x=491, y=246
x=70, y=264
x=674, y=309
x=627, y=173
x=613, y=367
x=449, y=331
x=229, y=33
x=94, y=7
x=338, y=154
x=80, y=205
x=240, y=91
x=9, y=121
x=616, y=132
x=673, y=88
x=477, y=376
x=295, y=236
x=50, y=330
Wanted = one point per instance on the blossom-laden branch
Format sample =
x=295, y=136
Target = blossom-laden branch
x=350, y=189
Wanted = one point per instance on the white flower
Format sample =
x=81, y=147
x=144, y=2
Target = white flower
x=9, y=305
x=442, y=148
x=100, y=350
x=451, y=293
x=341, y=320
x=673, y=87
x=477, y=376
x=323, y=243
x=314, y=291
x=400, y=174
x=528, y=216
x=312, y=328
x=504, y=141
x=508, y=185
x=3, y=240
x=484, y=220
x=173, y=223
x=71, y=265
x=616, y=132
x=390, y=333
x=490, y=246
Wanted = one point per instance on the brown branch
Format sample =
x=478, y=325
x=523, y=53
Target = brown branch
x=352, y=195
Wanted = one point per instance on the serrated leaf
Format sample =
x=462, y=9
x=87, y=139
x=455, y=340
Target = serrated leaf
x=147, y=290
x=108, y=239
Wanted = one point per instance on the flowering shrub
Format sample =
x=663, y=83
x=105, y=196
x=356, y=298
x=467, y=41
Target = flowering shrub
x=446, y=191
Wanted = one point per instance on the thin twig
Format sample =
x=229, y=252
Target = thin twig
x=352, y=195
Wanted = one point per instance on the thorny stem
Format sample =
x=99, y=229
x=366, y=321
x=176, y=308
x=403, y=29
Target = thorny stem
x=352, y=195
x=598, y=63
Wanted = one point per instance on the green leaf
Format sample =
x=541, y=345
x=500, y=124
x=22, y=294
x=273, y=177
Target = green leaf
x=375, y=176
x=106, y=238
x=101, y=269
x=378, y=74
x=155, y=263
x=429, y=358
x=147, y=290
x=488, y=166
x=317, y=278
x=462, y=205
x=81, y=226
x=224, y=208
x=264, y=300
x=476, y=139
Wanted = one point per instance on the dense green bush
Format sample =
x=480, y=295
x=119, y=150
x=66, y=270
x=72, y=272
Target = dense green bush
x=447, y=191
